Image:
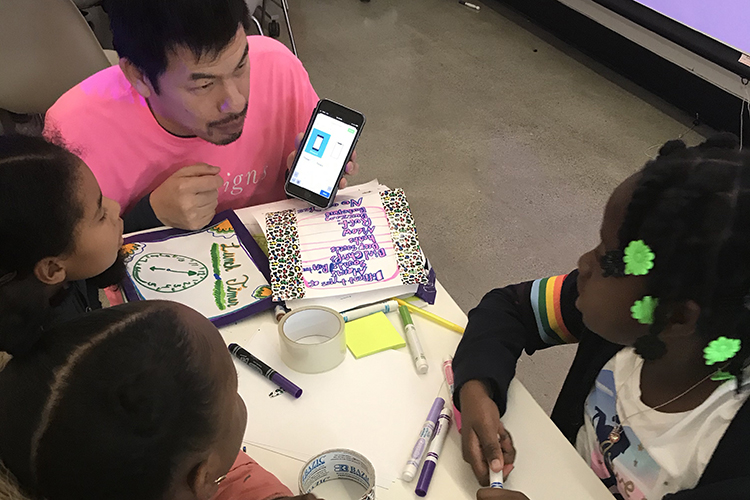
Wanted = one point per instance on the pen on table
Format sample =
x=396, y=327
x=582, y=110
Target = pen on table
x=469, y=5
x=432, y=317
x=361, y=312
x=415, y=348
x=430, y=462
x=496, y=478
x=448, y=372
x=265, y=370
x=410, y=470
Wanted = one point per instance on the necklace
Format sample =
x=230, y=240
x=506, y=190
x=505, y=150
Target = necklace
x=614, y=435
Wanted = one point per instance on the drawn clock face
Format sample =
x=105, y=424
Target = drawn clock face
x=168, y=273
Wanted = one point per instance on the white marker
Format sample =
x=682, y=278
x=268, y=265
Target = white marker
x=425, y=435
x=433, y=454
x=496, y=479
x=417, y=354
x=386, y=307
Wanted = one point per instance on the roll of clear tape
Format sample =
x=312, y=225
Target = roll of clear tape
x=312, y=339
x=338, y=464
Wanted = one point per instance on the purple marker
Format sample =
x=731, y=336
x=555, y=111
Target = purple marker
x=265, y=370
x=444, y=424
x=425, y=435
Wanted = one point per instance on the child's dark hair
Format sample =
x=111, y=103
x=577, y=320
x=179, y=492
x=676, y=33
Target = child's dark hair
x=107, y=405
x=145, y=31
x=692, y=207
x=39, y=211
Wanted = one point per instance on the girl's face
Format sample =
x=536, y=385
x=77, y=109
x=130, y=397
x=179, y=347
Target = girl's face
x=605, y=302
x=98, y=235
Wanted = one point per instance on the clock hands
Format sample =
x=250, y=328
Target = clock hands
x=189, y=273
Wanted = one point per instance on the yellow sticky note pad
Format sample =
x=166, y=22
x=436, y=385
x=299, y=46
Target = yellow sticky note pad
x=371, y=334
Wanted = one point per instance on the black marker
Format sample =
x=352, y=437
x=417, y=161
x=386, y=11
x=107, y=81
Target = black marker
x=265, y=370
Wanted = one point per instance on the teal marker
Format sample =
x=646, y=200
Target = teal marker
x=415, y=348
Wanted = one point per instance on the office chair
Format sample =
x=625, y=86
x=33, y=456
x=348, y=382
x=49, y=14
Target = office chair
x=46, y=48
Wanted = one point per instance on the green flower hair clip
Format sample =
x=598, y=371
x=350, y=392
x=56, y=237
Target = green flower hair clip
x=643, y=310
x=721, y=376
x=721, y=349
x=639, y=258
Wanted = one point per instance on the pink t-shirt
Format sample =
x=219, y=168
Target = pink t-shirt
x=249, y=481
x=109, y=125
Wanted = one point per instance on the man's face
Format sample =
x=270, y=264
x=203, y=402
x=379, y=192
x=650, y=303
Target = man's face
x=207, y=97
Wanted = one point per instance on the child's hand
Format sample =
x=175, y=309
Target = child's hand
x=483, y=436
x=500, y=494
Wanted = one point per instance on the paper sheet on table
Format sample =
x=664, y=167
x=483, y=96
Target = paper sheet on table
x=361, y=243
x=375, y=405
x=350, y=301
x=372, y=334
x=211, y=270
x=344, y=301
x=260, y=211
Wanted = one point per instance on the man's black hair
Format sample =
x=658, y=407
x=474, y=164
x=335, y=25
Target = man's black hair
x=146, y=31
x=692, y=207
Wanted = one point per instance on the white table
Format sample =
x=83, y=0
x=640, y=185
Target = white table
x=547, y=467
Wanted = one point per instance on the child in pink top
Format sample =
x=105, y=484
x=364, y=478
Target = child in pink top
x=137, y=401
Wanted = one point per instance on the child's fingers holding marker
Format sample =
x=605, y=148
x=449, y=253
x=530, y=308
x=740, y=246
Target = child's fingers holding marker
x=484, y=438
x=509, y=451
x=472, y=453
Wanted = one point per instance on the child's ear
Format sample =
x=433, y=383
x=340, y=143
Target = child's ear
x=50, y=271
x=684, y=318
x=202, y=482
x=136, y=77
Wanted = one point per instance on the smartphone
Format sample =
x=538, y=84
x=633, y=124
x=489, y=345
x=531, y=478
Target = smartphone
x=319, y=163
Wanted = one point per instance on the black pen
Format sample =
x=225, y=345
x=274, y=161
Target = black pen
x=265, y=370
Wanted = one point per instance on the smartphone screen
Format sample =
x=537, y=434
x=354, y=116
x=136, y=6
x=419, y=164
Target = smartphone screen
x=322, y=156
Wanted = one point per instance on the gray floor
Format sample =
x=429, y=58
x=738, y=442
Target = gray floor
x=506, y=141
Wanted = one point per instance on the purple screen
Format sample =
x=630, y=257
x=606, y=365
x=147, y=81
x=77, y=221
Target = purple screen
x=725, y=20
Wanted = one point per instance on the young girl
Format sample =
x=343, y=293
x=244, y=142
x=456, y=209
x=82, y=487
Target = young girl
x=654, y=401
x=57, y=231
x=133, y=402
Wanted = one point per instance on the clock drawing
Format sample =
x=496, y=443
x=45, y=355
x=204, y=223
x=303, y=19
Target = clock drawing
x=168, y=273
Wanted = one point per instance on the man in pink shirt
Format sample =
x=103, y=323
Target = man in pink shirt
x=197, y=118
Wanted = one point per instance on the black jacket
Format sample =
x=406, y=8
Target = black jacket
x=503, y=325
x=79, y=297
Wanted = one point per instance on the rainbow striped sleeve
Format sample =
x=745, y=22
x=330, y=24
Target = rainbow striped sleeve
x=545, y=302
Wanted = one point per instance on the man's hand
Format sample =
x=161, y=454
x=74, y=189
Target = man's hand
x=188, y=198
x=499, y=494
x=352, y=167
x=484, y=439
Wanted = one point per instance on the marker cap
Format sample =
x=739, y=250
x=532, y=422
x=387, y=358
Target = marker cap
x=496, y=479
x=405, y=315
x=437, y=407
x=409, y=473
x=287, y=385
x=424, y=478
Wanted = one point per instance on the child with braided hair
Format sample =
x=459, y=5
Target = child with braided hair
x=655, y=400
x=133, y=402
x=61, y=239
